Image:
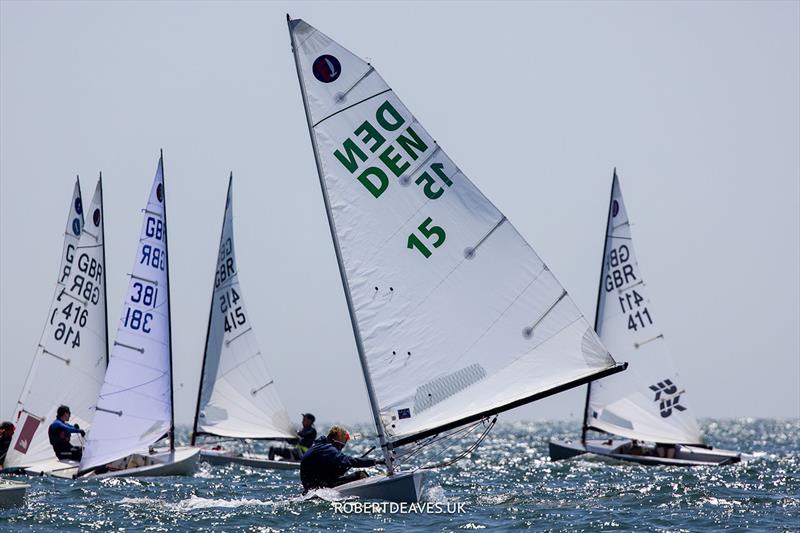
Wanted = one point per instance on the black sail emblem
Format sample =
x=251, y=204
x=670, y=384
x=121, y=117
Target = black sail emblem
x=668, y=396
x=326, y=68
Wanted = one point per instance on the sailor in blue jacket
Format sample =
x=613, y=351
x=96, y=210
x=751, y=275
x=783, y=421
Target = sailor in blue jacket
x=324, y=465
x=59, y=433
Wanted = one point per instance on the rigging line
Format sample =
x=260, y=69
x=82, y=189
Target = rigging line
x=465, y=452
x=424, y=443
x=351, y=105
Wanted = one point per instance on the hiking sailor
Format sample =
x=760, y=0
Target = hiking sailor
x=59, y=433
x=307, y=434
x=324, y=465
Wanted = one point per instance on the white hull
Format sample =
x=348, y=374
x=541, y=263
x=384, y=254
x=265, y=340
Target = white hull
x=621, y=450
x=400, y=487
x=66, y=468
x=181, y=462
x=254, y=460
x=12, y=493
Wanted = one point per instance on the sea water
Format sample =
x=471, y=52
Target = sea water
x=507, y=483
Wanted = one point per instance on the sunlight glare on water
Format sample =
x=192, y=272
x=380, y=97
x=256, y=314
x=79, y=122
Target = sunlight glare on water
x=509, y=482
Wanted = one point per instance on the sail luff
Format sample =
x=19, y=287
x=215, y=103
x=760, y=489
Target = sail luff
x=169, y=314
x=385, y=444
x=70, y=239
x=584, y=425
x=210, y=316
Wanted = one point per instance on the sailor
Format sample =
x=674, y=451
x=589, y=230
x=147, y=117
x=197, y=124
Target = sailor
x=307, y=435
x=324, y=465
x=6, y=432
x=59, y=433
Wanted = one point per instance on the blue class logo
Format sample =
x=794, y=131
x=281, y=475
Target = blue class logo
x=96, y=217
x=614, y=208
x=160, y=192
x=326, y=68
x=76, y=226
x=78, y=206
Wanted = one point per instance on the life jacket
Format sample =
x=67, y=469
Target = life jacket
x=57, y=435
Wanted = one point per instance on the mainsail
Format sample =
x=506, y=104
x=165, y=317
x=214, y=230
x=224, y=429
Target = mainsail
x=455, y=316
x=72, y=354
x=649, y=401
x=134, y=408
x=237, y=396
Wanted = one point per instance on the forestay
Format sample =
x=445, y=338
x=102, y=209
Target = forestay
x=134, y=408
x=457, y=314
x=237, y=396
x=649, y=401
x=71, y=357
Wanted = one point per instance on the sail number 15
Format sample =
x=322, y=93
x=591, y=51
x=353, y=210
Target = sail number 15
x=436, y=234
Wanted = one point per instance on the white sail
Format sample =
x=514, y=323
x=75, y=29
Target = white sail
x=237, y=396
x=649, y=401
x=70, y=361
x=458, y=316
x=134, y=408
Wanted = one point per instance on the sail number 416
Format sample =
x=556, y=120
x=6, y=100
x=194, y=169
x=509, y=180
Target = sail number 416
x=431, y=233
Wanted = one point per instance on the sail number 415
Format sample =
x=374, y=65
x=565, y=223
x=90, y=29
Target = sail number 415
x=431, y=233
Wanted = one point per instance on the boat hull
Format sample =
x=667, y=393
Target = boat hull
x=12, y=493
x=620, y=450
x=180, y=462
x=399, y=487
x=254, y=460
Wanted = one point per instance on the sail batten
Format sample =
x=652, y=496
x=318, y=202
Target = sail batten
x=235, y=397
x=648, y=402
x=455, y=315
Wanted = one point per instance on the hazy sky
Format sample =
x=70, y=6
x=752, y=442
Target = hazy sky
x=696, y=104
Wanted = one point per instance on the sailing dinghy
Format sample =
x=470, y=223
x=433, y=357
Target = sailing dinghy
x=455, y=317
x=134, y=409
x=71, y=358
x=237, y=398
x=647, y=405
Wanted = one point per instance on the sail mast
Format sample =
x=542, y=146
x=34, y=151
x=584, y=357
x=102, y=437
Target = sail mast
x=210, y=316
x=585, y=425
x=169, y=317
x=385, y=445
x=105, y=290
